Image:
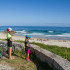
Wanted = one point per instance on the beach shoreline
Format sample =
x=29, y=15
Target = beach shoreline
x=52, y=33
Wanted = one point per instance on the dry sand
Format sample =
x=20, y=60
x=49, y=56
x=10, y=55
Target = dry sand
x=60, y=43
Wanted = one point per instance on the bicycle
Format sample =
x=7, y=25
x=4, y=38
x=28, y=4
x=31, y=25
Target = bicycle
x=3, y=49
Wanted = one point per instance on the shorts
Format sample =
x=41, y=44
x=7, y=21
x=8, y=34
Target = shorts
x=9, y=44
x=27, y=51
x=9, y=47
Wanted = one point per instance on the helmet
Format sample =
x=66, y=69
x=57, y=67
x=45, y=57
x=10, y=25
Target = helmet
x=9, y=29
x=28, y=36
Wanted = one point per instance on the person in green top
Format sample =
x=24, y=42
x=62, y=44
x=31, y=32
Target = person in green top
x=9, y=42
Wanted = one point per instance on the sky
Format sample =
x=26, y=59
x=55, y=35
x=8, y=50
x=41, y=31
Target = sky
x=34, y=12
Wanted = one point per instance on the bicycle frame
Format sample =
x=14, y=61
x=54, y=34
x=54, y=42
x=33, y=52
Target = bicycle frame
x=3, y=49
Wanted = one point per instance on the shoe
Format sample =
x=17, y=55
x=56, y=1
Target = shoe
x=11, y=58
x=28, y=59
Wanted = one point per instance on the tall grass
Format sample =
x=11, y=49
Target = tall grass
x=61, y=51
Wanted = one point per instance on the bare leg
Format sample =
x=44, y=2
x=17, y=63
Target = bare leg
x=28, y=55
x=25, y=55
x=10, y=50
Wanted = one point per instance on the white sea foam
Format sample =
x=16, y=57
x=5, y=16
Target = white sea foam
x=35, y=34
x=50, y=31
x=66, y=34
x=63, y=35
x=53, y=35
x=23, y=31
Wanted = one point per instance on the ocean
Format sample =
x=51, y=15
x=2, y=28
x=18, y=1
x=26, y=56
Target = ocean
x=61, y=33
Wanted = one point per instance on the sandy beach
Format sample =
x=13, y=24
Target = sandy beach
x=60, y=43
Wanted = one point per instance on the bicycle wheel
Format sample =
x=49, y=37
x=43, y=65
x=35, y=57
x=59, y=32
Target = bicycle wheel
x=0, y=55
